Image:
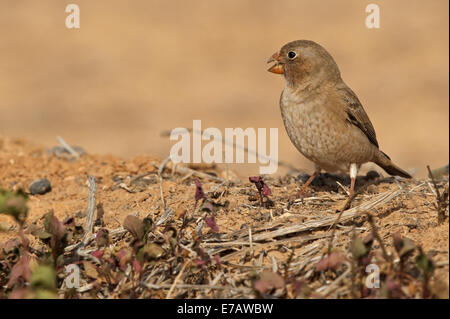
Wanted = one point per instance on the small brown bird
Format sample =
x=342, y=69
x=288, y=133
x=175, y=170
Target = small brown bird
x=323, y=117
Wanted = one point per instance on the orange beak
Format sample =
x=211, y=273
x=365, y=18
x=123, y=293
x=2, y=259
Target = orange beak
x=277, y=67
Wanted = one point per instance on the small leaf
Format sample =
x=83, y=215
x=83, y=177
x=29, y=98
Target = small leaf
x=124, y=257
x=331, y=261
x=69, y=222
x=394, y=290
x=397, y=241
x=267, y=281
x=403, y=246
x=41, y=234
x=137, y=266
x=208, y=206
x=301, y=289
x=14, y=204
x=266, y=190
x=98, y=253
x=149, y=252
x=102, y=237
x=255, y=179
x=135, y=226
x=217, y=259
x=20, y=270
x=199, y=193
x=425, y=263
x=90, y=270
x=44, y=277
x=408, y=247
x=368, y=241
x=211, y=222
x=11, y=246
x=53, y=226
x=201, y=263
x=358, y=248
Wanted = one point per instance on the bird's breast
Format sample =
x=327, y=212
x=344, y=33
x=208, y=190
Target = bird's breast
x=318, y=132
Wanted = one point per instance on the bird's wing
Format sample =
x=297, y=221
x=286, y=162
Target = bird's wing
x=356, y=114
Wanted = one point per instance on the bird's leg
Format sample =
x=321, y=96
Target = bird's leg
x=302, y=190
x=348, y=202
x=353, y=173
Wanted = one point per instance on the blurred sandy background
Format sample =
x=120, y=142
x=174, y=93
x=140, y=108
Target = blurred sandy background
x=136, y=68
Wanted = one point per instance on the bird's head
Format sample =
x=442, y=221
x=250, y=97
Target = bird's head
x=303, y=61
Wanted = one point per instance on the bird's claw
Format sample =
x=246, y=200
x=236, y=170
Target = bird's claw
x=300, y=195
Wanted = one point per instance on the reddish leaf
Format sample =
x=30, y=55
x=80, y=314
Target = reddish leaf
x=394, y=290
x=18, y=293
x=266, y=190
x=331, y=261
x=208, y=206
x=397, y=238
x=11, y=246
x=137, y=266
x=69, y=221
x=199, y=193
x=262, y=188
x=217, y=259
x=268, y=281
x=90, y=270
x=211, y=222
x=20, y=270
x=403, y=246
x=54, y=226
x=201, y=263
x=124, y=257
x=301, y=289
x=255, y=179
x=98, y=253
x=102, y=237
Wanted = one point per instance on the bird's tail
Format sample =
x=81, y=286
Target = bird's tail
x=382, y=160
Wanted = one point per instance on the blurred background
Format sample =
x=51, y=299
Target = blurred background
x=137, y=68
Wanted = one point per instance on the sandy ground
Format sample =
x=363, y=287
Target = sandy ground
x=412, y=213
x=134, y=70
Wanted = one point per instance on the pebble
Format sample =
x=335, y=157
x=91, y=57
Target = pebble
x=372, y=175
x=40, y=187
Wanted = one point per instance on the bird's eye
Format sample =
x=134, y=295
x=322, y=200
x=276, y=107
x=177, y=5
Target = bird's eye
x=292, y=55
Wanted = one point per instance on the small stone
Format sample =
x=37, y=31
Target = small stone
x=243, y=191
x=117, y=179
x=303, y=178
x=212, y=174
x=372, y=175
x=319, y=181
x=40, y=187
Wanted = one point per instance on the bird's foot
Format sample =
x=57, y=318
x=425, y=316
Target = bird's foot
x=347, y=203
x=300, y=195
